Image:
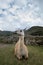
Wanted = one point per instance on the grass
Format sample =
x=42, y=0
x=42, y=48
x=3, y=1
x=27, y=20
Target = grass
x=7, y=56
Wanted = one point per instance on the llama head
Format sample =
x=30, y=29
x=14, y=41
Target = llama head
x=20, y=32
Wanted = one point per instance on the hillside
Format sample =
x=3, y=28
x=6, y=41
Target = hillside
x=5, y=33
x=34, y=35
x=35, y=30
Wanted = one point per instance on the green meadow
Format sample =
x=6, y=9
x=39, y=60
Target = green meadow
x=7, y=55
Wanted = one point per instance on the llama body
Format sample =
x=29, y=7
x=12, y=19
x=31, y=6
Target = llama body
x=21, y=49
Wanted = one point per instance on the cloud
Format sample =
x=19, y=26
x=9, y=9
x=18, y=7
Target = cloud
x=20, y=3
x=20, y=14
x=5, y=4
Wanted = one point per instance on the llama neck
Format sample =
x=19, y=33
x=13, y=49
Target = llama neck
x=21, y=41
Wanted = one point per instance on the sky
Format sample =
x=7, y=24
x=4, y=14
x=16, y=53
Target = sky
x=20, y=14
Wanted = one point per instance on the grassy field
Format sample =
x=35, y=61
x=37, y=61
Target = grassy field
x=7, y=56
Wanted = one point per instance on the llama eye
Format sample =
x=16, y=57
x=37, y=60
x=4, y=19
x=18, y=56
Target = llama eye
x=20, y=30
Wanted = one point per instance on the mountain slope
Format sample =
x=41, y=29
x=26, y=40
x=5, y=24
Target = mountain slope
x=35, y=30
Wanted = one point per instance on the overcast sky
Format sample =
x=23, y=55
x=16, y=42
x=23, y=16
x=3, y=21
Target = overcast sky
x=16, y=14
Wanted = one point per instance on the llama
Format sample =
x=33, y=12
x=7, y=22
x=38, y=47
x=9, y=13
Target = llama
x=21, y=50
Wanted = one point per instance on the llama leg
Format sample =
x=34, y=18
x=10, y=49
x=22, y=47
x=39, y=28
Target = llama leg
x=19, y=57
x=26, y=56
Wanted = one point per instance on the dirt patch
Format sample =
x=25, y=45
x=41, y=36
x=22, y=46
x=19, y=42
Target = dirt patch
x=3, y=45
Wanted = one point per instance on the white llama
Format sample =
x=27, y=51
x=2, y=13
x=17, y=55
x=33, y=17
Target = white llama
x=21, y=50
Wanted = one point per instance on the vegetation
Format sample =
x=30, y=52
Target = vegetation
x=7, y=56
x=5, y=33
x=35, y=30
x=30, y=36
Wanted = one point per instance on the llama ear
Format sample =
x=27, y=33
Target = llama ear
x=18, y=32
